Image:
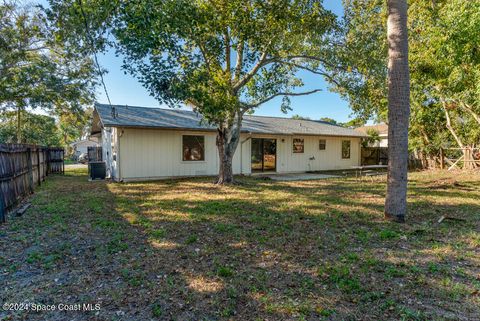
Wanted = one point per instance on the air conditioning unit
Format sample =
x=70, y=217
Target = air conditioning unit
x=97, y=170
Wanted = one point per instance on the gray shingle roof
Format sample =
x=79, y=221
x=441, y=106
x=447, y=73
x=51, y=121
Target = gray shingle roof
x=129, y=116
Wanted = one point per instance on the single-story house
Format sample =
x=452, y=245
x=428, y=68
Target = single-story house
x=141, y=143
x=381, y=129
x=81, y=146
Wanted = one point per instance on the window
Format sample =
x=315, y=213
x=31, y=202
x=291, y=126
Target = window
x=345, y=149
x=193, y=148
x=322, y=144
x=298, y=146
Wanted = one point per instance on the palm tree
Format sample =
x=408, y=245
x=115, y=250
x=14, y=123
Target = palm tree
x=398, y=110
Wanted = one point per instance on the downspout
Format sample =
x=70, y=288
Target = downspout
x=241, y=151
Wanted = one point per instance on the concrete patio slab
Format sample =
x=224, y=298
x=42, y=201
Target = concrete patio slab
x=299, y=176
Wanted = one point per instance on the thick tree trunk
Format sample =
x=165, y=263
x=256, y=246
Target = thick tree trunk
x=227, y=142
x=398, y=111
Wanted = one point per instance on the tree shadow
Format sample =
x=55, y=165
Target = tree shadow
x=189, y=250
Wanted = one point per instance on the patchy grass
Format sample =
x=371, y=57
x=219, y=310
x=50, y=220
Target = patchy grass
x=261, y=250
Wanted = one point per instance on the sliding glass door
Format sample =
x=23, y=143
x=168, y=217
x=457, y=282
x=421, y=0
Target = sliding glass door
x=264, y=154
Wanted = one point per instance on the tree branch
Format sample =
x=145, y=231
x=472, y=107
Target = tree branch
x=450, y=127
x=317, y=72
x=239, y=63
x=264, y=61
x=250, y=106
x=227, y=53
x=261, y=62
x=470, y=110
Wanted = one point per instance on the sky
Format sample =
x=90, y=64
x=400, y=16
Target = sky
x=124, y=89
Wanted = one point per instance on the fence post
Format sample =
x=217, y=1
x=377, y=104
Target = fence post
x=38, y=167
x=30, y=169
x=2, y=210
x=442, y=158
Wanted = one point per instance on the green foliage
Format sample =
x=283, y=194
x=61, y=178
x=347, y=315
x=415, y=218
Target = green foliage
x=373, y=137
x=35, y=129
x=329, y=120
x=36, y=71
x=296, y=116
x=444, y=58
x=224, y=58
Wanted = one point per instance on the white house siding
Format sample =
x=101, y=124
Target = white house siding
x=82, y=146
x=328, y=159
x=153, y=153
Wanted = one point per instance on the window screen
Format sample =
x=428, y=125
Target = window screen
x=298, y=145
x=322, y=144
x=193, y=148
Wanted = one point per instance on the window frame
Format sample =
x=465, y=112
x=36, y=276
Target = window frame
x=201, y=145
x=324, y=144
x=349, y=148
x=303, y=146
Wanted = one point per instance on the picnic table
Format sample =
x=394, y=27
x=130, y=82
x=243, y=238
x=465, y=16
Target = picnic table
x=368, y=170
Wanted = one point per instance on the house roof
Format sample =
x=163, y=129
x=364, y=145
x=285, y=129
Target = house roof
x=382, y=129
x=146, y=117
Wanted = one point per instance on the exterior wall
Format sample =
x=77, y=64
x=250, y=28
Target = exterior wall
x=383, y=142
x=314, y=159
x=82, y=147
x=151, y=153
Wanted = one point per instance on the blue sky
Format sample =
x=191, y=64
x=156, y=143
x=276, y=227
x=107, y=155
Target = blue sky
x=124, y=89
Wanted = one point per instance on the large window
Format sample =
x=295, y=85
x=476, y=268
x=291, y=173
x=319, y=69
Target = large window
x=322, y=144
x=193, y=148
x=345, y=149
x=298, y=145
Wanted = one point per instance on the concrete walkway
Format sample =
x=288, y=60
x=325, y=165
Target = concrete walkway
x=299, y=176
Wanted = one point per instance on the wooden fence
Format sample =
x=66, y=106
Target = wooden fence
x=459, y=158
x=94, y=154
x=22, y=167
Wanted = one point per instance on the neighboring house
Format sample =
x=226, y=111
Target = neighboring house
x=382, y=130
x=81, y=146
x=142, y=143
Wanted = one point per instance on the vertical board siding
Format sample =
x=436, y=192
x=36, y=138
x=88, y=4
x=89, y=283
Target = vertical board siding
x=22, y=167
x=154, y=153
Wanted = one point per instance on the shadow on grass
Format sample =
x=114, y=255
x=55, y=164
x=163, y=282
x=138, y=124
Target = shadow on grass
x=189, y=250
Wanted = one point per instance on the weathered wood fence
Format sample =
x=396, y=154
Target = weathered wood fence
x=22, y=167
x=94, y=154
x=460, y=158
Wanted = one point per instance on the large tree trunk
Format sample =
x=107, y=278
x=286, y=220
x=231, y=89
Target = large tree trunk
x=398, y=111
x=227, y=142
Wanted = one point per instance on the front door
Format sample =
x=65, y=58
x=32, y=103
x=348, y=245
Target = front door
x=264, y=154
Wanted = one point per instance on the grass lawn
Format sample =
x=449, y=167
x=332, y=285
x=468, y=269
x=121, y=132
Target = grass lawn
x=261, y=250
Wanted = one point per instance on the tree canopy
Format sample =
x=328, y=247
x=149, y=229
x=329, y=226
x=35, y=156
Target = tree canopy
x=37, y=71
x=444, y=58
x=223, y=58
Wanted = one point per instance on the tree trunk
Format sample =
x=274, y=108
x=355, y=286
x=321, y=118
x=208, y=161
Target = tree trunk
x=19, y=125
x=227, y=142
x=398, y=111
